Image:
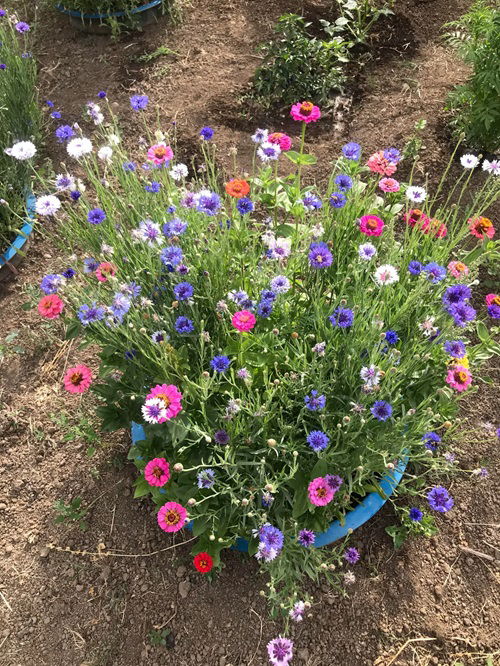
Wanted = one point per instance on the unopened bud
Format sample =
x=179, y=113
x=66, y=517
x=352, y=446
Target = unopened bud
x=244, y=502
x=178, y=467
x=211, y=537
x=271, y=443
x=191, y=501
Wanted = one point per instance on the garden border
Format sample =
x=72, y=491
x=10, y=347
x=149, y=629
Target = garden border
x=354, y=518
x=24, y=233
x=138, y=10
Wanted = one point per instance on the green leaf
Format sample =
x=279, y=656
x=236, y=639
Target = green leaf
x=200, y=526
x=320, y=468
x=297, y=158
x=482, y=332
x=142, y=487
x=73, y=330
x=398, y=534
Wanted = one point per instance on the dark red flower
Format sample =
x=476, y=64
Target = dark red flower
x=203, y=562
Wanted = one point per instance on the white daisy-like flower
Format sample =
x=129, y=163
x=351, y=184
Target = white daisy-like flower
x=386, y=274
x=268, y=151
x=416, y=194
x=469, y=161
x=370, y=375
x=427, y=327
x=47, y=205
x=179, y=171
x=107, y=249
x=492, y=167
x=64, y=181
x=22, y=150
x=79, y=147
x=317, y=231
x=154, y=410
x=113, y=139
x=105, y=153
x=260, y=136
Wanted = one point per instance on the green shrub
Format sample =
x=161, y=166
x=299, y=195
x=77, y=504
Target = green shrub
x=475, y=104
x=19, y=121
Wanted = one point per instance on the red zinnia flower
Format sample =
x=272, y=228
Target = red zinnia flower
x=203, y=562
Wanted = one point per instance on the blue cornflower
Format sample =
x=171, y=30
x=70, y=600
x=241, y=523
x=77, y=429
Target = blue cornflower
x=69, y=273
x=51, y=283
x=435, y=272
x=494, y=311
x=183, y=291
x=392, y=337
x=139, y=102
x=208, y=202
x=21, y=27
x=131, y=289
x=220, y=363
x=3, y=66
x=415, y=267
x=318, y=440
x=306, y=538
x=462, y=313
x=458, y=293
x=75, y=195
x=315, y=402
x=415, y=514
x=175, y=227
x=129, y=166
x=245, y=205
x=154, y=187
x=431, y=440
x=455, y=348
x=343, y=181
x=90, y=313
x=280, y=284
x=221, y=437
x=171, y=255
x=267, y=295
x=101, y=94
x=90, y=265
x=337, y=200
x=96, y=216
x=64, y=133
x=342, y=317
x=206, y=478
x=57, y=115
x=393, y=155
x=130, y=355
x=183, y=325
x=271, y=536
x=352, y=151
x=206, y=133
x=439, y=499
x=351, y=555
x=49, y=103
x=171, y=209
x=319, y=255
x=312, y=202
x=120, y=305
x=381, y=410
x=265, y=308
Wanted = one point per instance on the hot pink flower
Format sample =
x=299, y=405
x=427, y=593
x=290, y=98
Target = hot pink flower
x=171, y=397
x=389, y=185
x=282, y=140
x=371, y=225
x=157, y=472
x=320, y=492
x=105, y=270
x=50, y=306
x=171, y=517
x=243, y=321
x=459, y=377
x=305, y=112
x=160, y=153
x=78, y=379
x=457, y=269
x=377, y=163
x=481, y=227
x=492, y=299
x=415, y=217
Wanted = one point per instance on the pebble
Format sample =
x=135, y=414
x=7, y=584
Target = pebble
x=438, y=591
x=44, y=551
x=181, y=571
x=184, y=587
x=3, y=506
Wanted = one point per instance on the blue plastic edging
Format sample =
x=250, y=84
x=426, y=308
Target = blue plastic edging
x=25, y=231
x=365, y=510
x=80, y=15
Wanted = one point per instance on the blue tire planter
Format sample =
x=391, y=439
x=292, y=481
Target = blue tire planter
x=24, y=233
x=95, y=23
x=365, y=510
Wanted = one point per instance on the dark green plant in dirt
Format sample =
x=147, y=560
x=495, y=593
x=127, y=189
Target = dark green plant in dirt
x=475, y=105
x=71, y=512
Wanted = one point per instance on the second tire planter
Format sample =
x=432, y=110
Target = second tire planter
x=354, y=518
x=95, y=23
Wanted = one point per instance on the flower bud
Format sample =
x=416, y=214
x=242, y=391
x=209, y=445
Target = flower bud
x=191, y=501
x=269, y=487
x=295, y=335
x=244, y=502
x=390, y=465
x=142, y=330
x=360, y=468
x=295, y=454
x=346, y=419
x=275, y=331
x=211, y=537
x=271, y=443
x=178, y=467
x=447, y=425
x=323, y=566
x=205, y=374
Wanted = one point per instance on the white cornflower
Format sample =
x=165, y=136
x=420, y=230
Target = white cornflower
x=386, y=274
x=367, y=251
x=154, y=411
x=416, y=194
x=64, y=182
x=22, y=150
x=469, y=161
x=78, y=147
x=492, y=167
x=105, y=153
x=179, y=171
x=47, y=205
x=260, y=136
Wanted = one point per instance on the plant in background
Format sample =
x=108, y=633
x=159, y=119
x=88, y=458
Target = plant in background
x=356, y=20
x=283, y=348
x=20, y=121
x=474, y=105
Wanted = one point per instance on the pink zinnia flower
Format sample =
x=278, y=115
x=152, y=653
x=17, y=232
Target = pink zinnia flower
x=160, y=153
x=282, y=140
x=320, y=492
x=78, y=379
x=305, y=112
x=457, y=269
x=492, y=299
x=481, y=227
x=459, y=377
x=389, y=185
x=371, y=225
x=171, y=398
x=171, y=517
x=50, y=306
x=105, y=270
x=243, y=321
x=377, y=163
x=157, y=472
x=415, y=217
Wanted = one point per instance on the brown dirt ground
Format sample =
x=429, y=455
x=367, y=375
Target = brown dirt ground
x=429, y=603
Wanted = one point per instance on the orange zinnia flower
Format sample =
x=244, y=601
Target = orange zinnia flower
x=237, y=188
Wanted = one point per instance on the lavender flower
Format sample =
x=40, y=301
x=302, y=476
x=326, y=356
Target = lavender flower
x=351, y=555
x=381, y=410
x=315, y=402
x=206, y=478
x=306, y=538
x=415, y=514
x=183, y=325
x=320, y=256
x=439, y=499
x=51, y=283
x=352, y=151
x=139, y=102
x=342, y=317
x=220, y=363
x=431, y=440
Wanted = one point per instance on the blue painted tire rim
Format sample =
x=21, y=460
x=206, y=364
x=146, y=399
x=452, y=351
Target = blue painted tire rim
x=354, y=518
x=24, y=232
x=81, y=15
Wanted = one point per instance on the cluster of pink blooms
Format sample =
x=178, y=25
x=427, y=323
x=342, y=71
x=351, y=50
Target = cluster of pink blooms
x=459, y=378
x=322, y=490
x=78, y=379
x=458, y=269
x=416, y=218
x=163, y=403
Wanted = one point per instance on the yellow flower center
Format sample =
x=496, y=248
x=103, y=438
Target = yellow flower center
x=461, y=377
x=306, y=108
x=172, y=517
x=164, y=398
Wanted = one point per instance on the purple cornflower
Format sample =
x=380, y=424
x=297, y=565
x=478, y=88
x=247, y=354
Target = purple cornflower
x=22, y=27
x=271, y=536
x=245, y=205
x=69, y=273
x=351, y=555
x=154, y=187
x=462, y=313
x=221, y=437
x=381, y=410
x=267, y=499
x=318, y=440
x=435, y=272
x=367, y=251
x=343, y=181
x=265, y=308
x=415, y=267
x=129, y=166
x=415, y=514
x=297, y=612
x=320, y=256
x=267, y=295
x=280, y=284
x=338, y=200
x=56, y=115
x=342, y=317
x=220, y=363
x=75, y=195
x=3, y=66
x=315, y=402
x=206, y=478
x=101, y=94
x=90, y=265
x=312, y=202
x=139, y=102
x=130, y=354
x=458, y=293
x=207, y=202
x=206, y=133
x=243, y=373
x=96, y=216
x=64, y=133
x=87, y=314
x=176, y=227
x=51, y=283
x=494, y=311
x=159, y=336
x=392, y=337
x=352, y=151
x=280, y=651
x=171, y=255
x=306, y=538
x=431, y=440
x=183, y=291
x=183, y=325
x=393, y=155
x=455, y=348
x=334, y=481
x=3, y=13
x=131, y=289
x=439, y=499
x=120, y=305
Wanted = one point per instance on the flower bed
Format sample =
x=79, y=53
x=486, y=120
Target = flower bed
x=283, y=349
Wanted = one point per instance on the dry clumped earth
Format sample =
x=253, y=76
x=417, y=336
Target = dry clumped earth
x=428, y=603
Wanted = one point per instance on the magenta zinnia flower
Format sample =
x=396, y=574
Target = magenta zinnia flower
x=160, y=153
x=371, y=225
x=78, y=379
x=157, y=472
x=171, y=517
x=459, y=378
x=320, y=492
x=305, y=112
